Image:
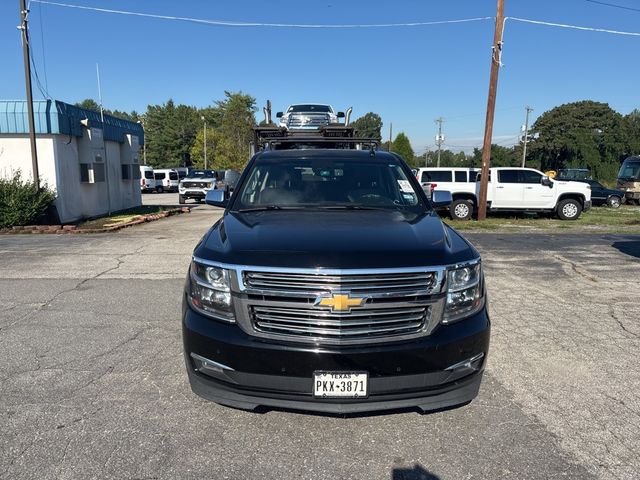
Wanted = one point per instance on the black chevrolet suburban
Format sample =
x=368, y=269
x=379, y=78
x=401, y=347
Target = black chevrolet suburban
x=330, y=284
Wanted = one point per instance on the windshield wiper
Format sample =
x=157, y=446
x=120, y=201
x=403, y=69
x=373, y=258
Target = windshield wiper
x=260, y=209
x=265, y=208
x=349, y=207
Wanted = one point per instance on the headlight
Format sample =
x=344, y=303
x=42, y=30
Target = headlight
x=465, y=292
x=209, y=291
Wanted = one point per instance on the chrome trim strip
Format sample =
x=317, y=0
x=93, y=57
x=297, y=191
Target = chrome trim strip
x=239, y=269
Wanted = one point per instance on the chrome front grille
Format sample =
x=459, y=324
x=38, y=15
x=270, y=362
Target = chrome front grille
x=396, y=304
x=358, y=324
x=307, y=121
x=318, y=283
x=196, y=184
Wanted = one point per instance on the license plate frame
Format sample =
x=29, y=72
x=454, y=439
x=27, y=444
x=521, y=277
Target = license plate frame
x=340, y=381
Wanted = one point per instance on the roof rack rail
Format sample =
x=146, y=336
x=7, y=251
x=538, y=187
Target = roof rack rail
x=271, y=137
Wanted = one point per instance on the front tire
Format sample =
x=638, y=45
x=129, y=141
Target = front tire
x=461, y=210
x=614, y=202
x=181, y=200
x=569, y=209
x=159, y=189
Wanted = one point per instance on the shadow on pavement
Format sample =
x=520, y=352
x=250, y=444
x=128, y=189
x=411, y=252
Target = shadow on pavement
x=416, y=473
x=630, y=247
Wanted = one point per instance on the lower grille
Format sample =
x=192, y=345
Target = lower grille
x=325, y=325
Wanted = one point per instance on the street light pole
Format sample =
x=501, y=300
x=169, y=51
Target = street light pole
x=205, y=141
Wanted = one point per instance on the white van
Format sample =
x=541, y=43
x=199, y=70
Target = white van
x=147, y=179
x=461, y=182
x=167, y=180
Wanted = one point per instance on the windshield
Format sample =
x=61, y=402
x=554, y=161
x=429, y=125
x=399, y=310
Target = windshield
x=630, y=170
x=310, y=108
x=202, y=174
x=326, y=183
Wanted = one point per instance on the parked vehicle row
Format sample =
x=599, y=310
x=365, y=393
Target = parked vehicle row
x=160, y=179
x=510, y=189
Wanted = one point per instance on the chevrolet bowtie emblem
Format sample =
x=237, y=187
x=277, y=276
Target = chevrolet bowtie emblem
x=340, y=303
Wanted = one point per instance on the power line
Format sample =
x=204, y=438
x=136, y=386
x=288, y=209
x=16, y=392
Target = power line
x=44, y=61
x=614, y=5
x=224, y=23
x=574, y=27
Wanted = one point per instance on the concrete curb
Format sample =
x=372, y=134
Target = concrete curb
x=66, y=229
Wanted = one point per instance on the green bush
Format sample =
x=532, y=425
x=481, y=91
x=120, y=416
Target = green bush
x=20, y=202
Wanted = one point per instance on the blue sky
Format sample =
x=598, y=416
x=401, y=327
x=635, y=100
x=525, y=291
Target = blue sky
x=410, y=76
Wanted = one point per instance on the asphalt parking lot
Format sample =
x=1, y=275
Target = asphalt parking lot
x=92, y=381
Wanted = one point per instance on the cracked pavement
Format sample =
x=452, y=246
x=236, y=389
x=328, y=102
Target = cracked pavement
x=92, y=381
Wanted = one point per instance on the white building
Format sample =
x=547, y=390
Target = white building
x=92, y=166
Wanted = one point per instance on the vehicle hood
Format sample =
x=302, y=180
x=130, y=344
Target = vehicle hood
x=330, y=239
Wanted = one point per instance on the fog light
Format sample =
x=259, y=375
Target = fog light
x=471, y=364
x=209, y=367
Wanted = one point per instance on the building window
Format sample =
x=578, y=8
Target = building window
x=98, y=172
x=92, y=173
x=85, y=173
x=126, y=172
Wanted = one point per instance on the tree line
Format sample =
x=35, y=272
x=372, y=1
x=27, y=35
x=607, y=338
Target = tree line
x=580, y=134
x=174, y=133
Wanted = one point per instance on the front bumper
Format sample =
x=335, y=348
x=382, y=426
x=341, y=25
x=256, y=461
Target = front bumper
x=632, y=195
x=193, y=193
x=255, y=372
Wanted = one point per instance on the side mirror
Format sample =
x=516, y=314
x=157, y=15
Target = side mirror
x=546, y=181
x=279, y=115
x=441, y=198
x=217, y=198
x=340, y=114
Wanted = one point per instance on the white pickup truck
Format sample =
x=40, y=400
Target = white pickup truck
x=526, y=189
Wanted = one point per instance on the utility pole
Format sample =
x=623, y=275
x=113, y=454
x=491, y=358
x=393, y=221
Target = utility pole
x=526, y=135
x=24, y=13
x=496, y=54
x=390, y=135
x=439, y=137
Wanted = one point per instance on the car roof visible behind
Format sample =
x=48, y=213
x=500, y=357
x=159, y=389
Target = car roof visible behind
x=364, y=155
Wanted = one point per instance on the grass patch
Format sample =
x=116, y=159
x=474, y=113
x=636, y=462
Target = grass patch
x=119, y=218
x=625, y=219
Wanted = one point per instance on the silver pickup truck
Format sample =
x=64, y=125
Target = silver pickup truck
x=308, y=116
x=196, y=185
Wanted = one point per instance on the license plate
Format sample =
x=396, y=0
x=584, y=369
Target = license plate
x=340, y=384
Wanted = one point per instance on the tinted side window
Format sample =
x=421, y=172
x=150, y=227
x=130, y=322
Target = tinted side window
x=437, y=176
x=160, y=176
x=148, y=174
x=527, y=176
x=508, y=176
x=473, y=175
x=173, y=175
x=461, y=176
